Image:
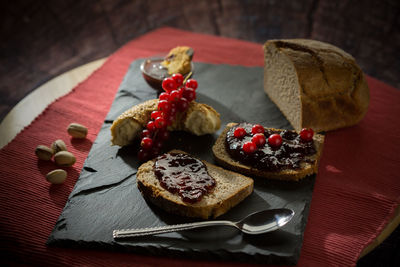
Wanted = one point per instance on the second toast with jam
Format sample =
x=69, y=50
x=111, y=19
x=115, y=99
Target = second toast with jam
x=270, y=153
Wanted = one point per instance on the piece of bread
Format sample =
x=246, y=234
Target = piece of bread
x=314, y=84
x=199, y=119
x=225, y=160
x=179, y=60
x=230, y=189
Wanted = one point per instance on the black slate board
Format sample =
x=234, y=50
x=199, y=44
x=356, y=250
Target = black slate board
x=105, y=196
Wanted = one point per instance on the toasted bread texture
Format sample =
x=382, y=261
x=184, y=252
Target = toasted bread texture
x=315, y=84
x=230, y=189
x=199, y=119
x=307, y=168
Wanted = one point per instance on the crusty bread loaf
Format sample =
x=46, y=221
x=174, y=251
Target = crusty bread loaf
x=230, y=189
x=199, y=119
x=307, y=168
x=314, y=84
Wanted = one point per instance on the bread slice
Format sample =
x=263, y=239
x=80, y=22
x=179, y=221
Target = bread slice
x=199, y=119
x=306, y=168
x=314, y=84
x=230, y=189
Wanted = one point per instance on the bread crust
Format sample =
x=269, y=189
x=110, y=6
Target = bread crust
x=199, y=119
x=224, y=159
x=153, y=192
x=333, y=90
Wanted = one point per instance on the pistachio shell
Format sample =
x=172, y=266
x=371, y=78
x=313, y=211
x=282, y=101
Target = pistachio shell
x=58, y=146
x=57, y=176
x=77, y=130
x=64, y=158
x=44, y=152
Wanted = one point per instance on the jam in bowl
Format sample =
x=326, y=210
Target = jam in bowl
x=154, y=73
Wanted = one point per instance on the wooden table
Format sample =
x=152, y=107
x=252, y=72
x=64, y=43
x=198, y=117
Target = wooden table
x=37, y=101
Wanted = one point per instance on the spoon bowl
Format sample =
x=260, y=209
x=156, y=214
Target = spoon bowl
x=265, y=221
x=260, y=222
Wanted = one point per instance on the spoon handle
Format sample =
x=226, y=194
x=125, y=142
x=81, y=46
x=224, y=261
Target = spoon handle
x=125, y=233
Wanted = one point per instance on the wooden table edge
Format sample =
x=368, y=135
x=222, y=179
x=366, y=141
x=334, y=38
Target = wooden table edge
x=36, y=102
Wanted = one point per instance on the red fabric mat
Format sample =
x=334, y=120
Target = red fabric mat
x=354, y=197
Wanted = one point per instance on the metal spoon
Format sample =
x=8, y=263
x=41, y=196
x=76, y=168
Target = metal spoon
x=256, y=223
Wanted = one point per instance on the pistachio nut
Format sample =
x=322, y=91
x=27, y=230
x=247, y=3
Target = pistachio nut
x=58, y=146
x=64, y=158
x=57, y=176
x=44, y=152
x=77, y=130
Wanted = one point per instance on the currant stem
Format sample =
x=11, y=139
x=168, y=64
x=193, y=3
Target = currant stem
x=187, y=77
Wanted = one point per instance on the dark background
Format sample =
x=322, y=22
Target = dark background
x=42, y=39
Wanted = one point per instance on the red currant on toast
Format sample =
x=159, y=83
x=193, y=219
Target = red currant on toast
x=259, y=139
x=306, y=134
x=275, y=140
x=257, y=128
x=239, y=132
x=249, y=147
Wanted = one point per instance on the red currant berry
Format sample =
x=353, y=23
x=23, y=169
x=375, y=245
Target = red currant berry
x=145, y=133
x=174, y=95
x=178, y=78
x=158, y=144
x=249, y=147
x=257, y=129
x=306, y=134
x=239, y=132
x=164, y=106
x=146, y=143
x=259, y=139
x=169, y=84
x=151, y=126
x=173, y=110
x=183, y=104
x=163, y=135
x=155, y=114
x=192, y=83
x=275, y=140
x=164, y=96
x=160, y=123
x=143, y=155
x=169, y=119
x=189, y=93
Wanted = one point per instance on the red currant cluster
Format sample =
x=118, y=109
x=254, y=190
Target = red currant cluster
x=259, y=140
x=176, y=98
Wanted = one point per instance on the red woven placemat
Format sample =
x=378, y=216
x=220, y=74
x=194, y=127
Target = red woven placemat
x=356, y=191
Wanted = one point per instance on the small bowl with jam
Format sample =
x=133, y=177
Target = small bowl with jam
x=178, y=60
x=154, y=73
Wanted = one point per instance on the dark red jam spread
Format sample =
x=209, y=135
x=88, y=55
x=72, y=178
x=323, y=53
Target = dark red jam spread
x=182, y=174
x=289, y=155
